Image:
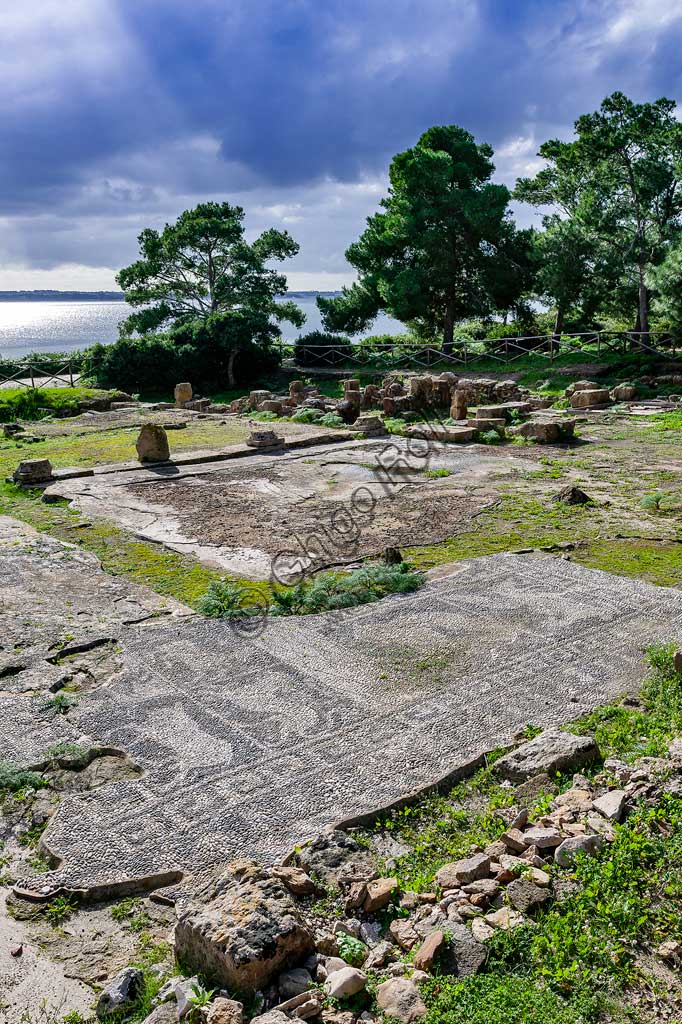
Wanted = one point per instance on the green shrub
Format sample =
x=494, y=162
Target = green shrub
x=489, y=437
x=653, y=502
x=262, y=417
x=13, y=779
x=318, y=348
x=331, y=591
x=326, y=592
x=156, y=362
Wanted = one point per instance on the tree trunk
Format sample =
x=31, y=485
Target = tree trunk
x=449, y=329
x=558, y=323
x=643, y=302
x=231, y=359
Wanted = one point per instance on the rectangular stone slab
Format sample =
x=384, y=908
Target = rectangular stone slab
x=253, y=742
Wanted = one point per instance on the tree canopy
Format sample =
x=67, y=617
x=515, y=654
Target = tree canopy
x=618, y=184
x=203, y=280
x=442, y=248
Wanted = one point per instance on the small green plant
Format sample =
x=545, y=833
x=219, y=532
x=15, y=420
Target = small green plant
x=489, y=437
x=352, y=950
x=198, y=998
x=394, y=425
x=74, y=1017
x=652, y=502
x=434, y=474
x=14, y=779
x=263, y=417
x=60, y=704
x=74, y=751
x=59, y=909
x=225, y=599
x=307, y=416
x=331, y=419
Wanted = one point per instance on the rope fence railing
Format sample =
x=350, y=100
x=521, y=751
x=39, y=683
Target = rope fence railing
x=466, y=352
x=34, y=376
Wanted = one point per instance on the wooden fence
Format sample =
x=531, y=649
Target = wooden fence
x=32, y=375
x=506, y=351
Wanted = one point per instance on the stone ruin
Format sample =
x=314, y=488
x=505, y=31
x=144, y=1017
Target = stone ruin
x=32, y=473
x=264, y=439
x=586, y=394
x=424, y=402
x=152, y=444
x=447, y=394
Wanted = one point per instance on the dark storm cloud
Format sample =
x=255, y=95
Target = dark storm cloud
x=118, y=113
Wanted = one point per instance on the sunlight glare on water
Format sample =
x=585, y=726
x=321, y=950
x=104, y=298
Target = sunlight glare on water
x=66, y=326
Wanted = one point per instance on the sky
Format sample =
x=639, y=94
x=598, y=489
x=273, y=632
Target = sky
x=116, y=115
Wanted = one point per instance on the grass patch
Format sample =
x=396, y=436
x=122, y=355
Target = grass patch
x=38, y=403
x=517, y=523
x=631, y=732
x=500, y=998
x=659, y=563
x=442, y=828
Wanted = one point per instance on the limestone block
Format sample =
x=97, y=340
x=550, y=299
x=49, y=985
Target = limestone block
x=183, y=393
x=152, y=444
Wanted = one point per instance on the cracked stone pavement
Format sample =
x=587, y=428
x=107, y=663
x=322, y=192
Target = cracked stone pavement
x=251, y=744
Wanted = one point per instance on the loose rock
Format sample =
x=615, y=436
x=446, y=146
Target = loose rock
x=524, y=894
x=461, y=872
x=346, y=982
x=379, y=894
x=121, y=992
x=611, y=805
x=225, y=1011
x=550, y=752
x=400, y=998
x=427, y=953
x=565, y=854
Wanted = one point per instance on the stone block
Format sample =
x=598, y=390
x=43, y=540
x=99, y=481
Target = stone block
x=264, y=439
x=445, y=434
x=590, y=399
x=242, y=929
x=183, y=394
x=550, y=752
x=624, y=393
x=32, y=471
x=152, y=444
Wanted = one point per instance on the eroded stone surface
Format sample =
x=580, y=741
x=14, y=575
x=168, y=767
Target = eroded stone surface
x=250, y=745
x=323, y=505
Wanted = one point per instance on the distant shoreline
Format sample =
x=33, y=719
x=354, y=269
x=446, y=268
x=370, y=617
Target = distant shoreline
x=48, y=295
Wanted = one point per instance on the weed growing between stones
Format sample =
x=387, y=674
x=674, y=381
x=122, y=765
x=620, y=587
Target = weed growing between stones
x=352, y=950
x=59, y=910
